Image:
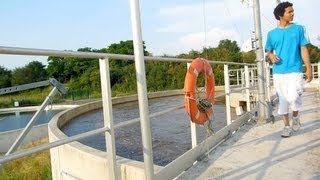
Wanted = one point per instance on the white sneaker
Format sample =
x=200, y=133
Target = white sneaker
x=286, y=132
x=296, y=123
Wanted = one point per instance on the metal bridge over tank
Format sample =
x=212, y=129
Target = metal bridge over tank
x=111, y=165
x=108, y=163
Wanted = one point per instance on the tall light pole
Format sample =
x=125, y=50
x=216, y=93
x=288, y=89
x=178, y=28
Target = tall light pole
x=263, y=105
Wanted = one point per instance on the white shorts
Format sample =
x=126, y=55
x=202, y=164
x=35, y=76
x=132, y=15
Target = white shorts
x=289, y=88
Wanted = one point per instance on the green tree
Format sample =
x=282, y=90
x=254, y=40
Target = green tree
x=5, y=77
x=65, y=68
x=57, y=68
x=123, y=47
x=122, y=72
x=191, y=55
x=231, y=49
x=157, y=77
x=314, y=53
x=249, y=57
x=33, y=72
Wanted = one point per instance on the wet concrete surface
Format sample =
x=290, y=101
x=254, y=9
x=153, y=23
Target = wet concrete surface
x=171, y=135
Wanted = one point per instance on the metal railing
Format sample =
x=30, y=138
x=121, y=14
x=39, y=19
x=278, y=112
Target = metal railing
x=171, y=169
x=247, y=79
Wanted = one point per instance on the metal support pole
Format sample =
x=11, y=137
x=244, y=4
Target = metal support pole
x=252, y=77
x=238, y=79
x=194, y=141
x=318, y=71
x=142, y=89
x=193, y=126
x=268, y=87
x=35, y=117
x=262, y=116
x=108, y=118
x=227, y=92
x=313, y=70
x=318, y=75
x=242, y=78
x=247, y=79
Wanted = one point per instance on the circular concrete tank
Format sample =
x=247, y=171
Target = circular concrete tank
x=78, y=160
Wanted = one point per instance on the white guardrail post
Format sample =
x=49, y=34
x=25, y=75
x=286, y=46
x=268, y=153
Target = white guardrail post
x=238, y=78
x=193, y=126
x=268, y=87
x=318, y=70
x=227, y=92
x=107, y=116
x=247, y=83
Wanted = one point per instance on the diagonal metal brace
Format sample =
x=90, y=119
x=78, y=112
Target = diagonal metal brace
x=58, y=87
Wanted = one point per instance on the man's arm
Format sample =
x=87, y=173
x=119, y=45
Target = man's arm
x=272, y=57
x=306, y=61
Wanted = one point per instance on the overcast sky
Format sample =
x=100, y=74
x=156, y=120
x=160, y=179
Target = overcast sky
x=168, y=27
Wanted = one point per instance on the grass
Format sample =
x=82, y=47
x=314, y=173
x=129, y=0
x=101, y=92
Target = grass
x=36, y=166
x=36, y=97
x=26, y=98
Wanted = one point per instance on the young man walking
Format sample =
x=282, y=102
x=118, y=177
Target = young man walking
x=286, y=48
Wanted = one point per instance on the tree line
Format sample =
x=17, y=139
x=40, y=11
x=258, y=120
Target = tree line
x=81, y=74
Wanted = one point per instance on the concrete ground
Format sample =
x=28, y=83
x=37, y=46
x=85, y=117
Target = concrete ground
x=259, y=151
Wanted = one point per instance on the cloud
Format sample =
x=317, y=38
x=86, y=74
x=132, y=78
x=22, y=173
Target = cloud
x=195, y=16
x=197, y=25
x=211, y=38
x=197, y=41
x=186, y=24
x=177, y=27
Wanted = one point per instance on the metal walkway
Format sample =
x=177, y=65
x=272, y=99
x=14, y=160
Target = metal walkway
x=259, y=152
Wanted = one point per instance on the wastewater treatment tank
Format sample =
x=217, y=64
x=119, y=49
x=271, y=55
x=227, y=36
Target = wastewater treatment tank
x=171, y=136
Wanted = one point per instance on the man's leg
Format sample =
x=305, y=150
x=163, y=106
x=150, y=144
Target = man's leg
x=280, y=84
x=286, y=130
x=286, y=120
x=295, y=121
x=295, y=98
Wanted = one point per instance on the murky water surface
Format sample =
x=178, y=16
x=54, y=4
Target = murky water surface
x=171, y=135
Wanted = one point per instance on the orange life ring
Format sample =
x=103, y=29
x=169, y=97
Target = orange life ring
x=198, y=66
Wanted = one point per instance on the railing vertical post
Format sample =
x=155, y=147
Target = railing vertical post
x=242, y=78
x=193, y=126
x=142, y=89
x=107, y=116
x=268, y=87
x=227, y=91
x=312, y=70
x=238, y=79
x=318, y=70
x=246, y=74
x=252, y=76
x=194, y=141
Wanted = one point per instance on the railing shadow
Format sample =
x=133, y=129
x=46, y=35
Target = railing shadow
x=259, y=166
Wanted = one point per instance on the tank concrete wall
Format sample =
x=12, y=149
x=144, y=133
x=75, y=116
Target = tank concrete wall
x=78, y=161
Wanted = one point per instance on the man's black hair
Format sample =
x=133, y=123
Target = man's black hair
x=280, y=9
